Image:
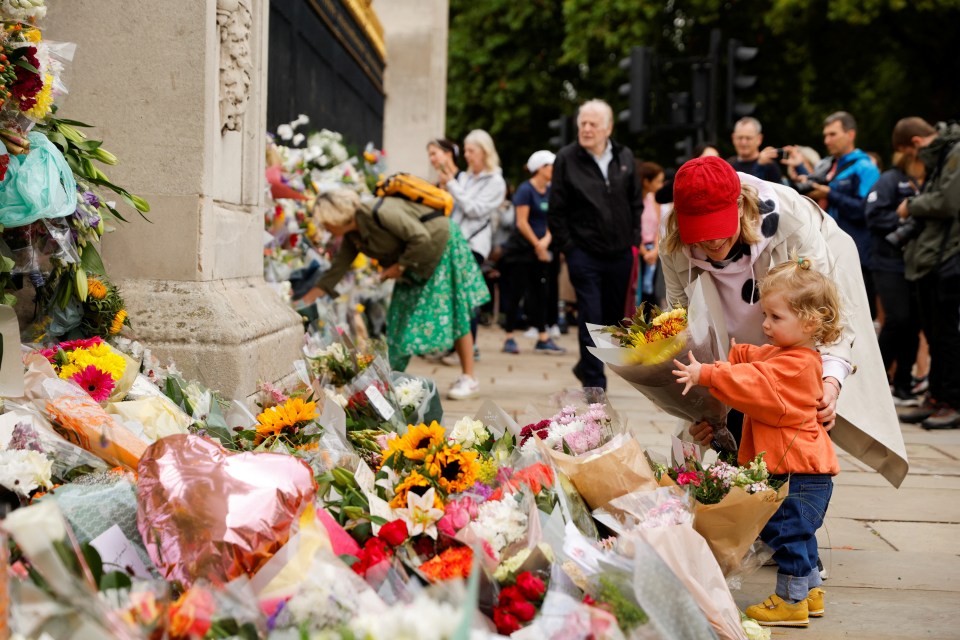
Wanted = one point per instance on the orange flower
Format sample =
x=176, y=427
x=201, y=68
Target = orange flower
x=455, y=562
x=191, y=615
x=118, y=322
x=454, y=470
x=288, y=415
x=96, y=289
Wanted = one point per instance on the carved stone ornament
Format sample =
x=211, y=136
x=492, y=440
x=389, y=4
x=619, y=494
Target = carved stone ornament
x=234, y=22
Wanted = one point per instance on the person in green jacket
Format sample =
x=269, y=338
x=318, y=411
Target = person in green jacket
x=438, y=283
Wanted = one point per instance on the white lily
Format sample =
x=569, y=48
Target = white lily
x=420, y=514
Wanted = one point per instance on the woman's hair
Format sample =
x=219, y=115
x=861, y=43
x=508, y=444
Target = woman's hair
x=446, y=145
x=749, y=206
x=337, y=207
x=810, y=294
x=482, y=139
x=648, y=170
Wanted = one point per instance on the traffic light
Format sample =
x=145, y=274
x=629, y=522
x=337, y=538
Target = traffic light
x=637, y=90
x=737, y=82
x=562, y=126
x=679, y=108
x=685, y=147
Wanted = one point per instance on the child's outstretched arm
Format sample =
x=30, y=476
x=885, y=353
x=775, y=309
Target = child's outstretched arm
x=688, y=374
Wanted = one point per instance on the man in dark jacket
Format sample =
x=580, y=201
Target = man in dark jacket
x=932, y=261
x=595, y=206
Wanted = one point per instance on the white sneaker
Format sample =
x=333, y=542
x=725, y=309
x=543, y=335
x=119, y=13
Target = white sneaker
x=554, y=331
x=450, y=359
x=463, y=388
x=531, y=333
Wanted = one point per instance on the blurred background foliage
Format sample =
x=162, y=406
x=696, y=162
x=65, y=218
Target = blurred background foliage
x=514, y=65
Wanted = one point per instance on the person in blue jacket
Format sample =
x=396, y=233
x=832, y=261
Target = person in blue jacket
x=848, y=181
x=900, y=335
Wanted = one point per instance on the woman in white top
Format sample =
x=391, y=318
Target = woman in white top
x=477, y=193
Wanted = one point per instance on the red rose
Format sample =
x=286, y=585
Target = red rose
x=394, y=533
x=523, y=610
x=510, y=594
x=506, y=623
x=531, y=586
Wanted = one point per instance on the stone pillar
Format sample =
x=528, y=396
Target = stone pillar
x=415, y=80
x=177, y=90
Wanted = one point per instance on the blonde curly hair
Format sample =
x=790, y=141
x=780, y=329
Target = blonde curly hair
x=811, y=295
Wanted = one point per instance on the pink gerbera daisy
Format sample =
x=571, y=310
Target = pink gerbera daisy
x=83, y=343
x=95, y=382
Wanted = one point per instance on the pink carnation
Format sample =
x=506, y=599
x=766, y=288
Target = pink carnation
x=689, y=477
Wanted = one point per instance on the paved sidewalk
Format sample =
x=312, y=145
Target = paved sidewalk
x=893, y=555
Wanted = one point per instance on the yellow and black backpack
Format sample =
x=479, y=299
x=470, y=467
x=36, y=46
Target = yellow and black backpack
x=410, y=187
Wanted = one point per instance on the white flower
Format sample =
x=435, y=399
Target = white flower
x=410, y=393
x=37, y=527
x=298, y=138
x=468, y=433
x=500, y=522
x=422, y=619
x=301, y=120
x=753, y=630
x=420, y=514
x=24, y=471
x=338, y=398
x=285, y=131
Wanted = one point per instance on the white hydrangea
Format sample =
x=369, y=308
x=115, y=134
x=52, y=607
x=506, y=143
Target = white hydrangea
x=410, y=393
x=25, y=471
x=468, y=433
x=500, y=522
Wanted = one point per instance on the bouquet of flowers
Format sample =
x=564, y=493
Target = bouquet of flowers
x=733, y=504
x=570, y=431
x=90, y=363
x=642, y=354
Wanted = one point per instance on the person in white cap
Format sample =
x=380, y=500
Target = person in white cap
x=528, y=266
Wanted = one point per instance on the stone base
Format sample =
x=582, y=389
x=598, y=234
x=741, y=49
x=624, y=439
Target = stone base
x=228, y=334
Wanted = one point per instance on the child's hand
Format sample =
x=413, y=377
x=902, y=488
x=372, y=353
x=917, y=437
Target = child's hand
x=688, y=374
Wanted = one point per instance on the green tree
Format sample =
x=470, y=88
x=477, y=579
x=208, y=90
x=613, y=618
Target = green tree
x=514, y=66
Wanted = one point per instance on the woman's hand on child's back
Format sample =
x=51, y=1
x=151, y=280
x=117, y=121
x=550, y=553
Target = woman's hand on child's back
x=702, y=432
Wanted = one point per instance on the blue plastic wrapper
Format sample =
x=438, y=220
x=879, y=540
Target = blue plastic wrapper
x=38, y=185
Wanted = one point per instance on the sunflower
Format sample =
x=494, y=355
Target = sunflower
x=96, y=289
x=419, y=440
x=419, y=485
x=285, y=416
x=118, y=322
x=454, y=470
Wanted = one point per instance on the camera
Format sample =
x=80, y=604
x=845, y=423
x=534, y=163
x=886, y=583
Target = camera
x=908, y=230
x=781, y=154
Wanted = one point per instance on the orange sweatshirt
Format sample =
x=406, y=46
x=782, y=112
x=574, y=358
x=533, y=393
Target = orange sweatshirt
x=777, y=389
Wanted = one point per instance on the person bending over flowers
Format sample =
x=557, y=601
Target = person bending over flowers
x=778, y=388
x=438, y=281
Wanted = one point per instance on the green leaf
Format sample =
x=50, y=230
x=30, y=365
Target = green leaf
x=115, y=580
x=26, y=65
x=58, y=139
x=94, y=563
x=174, y=392
x=73, y=123
x=90, y=260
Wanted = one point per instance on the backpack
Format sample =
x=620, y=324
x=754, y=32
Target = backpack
x=410, y=187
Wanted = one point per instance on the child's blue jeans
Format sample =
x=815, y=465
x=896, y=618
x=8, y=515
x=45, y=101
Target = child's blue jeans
x=791, y=532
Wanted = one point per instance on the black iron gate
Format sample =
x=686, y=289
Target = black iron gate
x=322, y=64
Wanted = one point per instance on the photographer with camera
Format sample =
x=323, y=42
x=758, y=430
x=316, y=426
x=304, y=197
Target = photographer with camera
x=845, y=187
x=900, y=335
x=747, y=138
x=931, y=229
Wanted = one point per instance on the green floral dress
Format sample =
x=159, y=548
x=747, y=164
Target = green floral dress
x=425, y=318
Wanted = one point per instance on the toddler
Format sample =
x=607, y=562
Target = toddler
x=778, y=387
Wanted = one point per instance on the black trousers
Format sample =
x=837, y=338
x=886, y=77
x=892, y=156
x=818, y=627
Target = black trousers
x=527, y=281
x=601, y=284
x=900, y=336
x=940, y=319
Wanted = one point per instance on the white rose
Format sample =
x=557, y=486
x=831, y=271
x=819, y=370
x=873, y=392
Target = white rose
x=25, y=471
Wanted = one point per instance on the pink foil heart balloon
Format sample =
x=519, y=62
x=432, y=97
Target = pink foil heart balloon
x=206, y=513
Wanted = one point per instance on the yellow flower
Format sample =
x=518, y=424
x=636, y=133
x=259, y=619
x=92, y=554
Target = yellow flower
x=287, y=415
x=416, y=483
x=454, y=470
x=67, y=371
x=32, y=35
x=359, y=262
x=360, y=308
x=96, y=289
x=370, y=157
x=487, y=470
x=418, y=441
x=44, y=97
x=100, y=356
x=118, y=321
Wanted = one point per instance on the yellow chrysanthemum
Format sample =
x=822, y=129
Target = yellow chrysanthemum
x=284, y=416
x=67, y=371
x=44, y=99
x=100, y=356
x=674, y=314
x=419, y=485
x=96, y=289
x=32, y=35
x=487, y=470
x=452, y=469
x=118, y=321
x=418, y=441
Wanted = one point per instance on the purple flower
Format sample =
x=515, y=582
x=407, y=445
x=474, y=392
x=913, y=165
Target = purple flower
x=481, y=490
x=91, y=199
x=25, y=438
